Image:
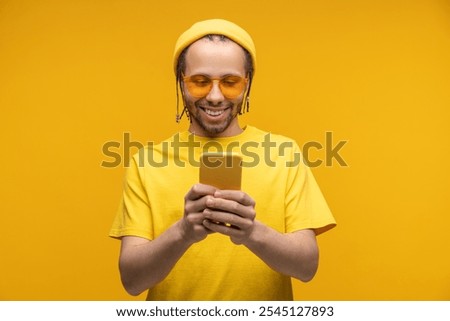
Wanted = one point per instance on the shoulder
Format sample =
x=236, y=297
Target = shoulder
x=159, y=146
x=271, y=138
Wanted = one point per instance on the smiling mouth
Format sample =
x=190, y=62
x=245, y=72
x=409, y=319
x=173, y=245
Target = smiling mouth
x=214, y=113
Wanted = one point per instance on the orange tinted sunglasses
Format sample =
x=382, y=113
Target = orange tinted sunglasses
x=200, y=85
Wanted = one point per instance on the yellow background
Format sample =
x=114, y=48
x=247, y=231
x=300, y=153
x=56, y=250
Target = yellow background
x=77, y=74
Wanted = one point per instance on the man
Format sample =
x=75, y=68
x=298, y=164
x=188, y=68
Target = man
x=186, y=241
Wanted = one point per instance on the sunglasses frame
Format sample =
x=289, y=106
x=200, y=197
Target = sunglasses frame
x=187, y=80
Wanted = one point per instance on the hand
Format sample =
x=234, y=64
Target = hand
x=195, y=200
x=231, y=213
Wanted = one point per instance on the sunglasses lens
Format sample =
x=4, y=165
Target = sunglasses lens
x=200, y=85
x=232, y=86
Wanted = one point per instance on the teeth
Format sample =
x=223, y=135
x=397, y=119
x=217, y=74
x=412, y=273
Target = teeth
x=213, y=113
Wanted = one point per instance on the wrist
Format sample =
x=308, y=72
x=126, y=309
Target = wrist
x=182, y=236
x=257, y=236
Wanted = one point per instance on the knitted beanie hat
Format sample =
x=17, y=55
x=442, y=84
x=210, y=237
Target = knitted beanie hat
x=217, y=27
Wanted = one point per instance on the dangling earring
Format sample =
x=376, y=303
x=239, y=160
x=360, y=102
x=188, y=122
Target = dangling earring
x=188, y=116
x=245, y=106
x=185, y=109
x=178, y=116
x=247, y=103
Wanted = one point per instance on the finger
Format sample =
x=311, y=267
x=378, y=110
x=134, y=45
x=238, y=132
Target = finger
x=199, y=232
x=237, y=196
x=195, y=218
x=227, y=219
x=231, y=207
x=196, y=206
x=199, y=190
x=222, y=229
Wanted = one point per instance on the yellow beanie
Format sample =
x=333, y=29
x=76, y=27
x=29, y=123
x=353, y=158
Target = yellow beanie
x=217, y=27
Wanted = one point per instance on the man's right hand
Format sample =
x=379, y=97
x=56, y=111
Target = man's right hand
x=192, y=226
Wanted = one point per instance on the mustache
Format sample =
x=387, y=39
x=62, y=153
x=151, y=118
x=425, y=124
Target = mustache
x=205, y=104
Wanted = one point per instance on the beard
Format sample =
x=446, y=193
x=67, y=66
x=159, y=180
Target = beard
x=213, y=129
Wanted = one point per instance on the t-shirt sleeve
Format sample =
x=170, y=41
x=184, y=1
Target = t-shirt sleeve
x=306, y=207
x=133, y=217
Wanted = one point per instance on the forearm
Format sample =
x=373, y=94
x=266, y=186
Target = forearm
x=294, y=254
x=144, y=263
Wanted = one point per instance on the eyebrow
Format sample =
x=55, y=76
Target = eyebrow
x=222, y=76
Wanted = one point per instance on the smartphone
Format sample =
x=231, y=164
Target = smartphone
x=221, y=170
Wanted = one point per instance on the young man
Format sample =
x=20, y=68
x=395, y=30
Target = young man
x=187, y=241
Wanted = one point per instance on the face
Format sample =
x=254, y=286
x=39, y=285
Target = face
x=214, y=115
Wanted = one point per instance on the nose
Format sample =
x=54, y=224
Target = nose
x=215, y=96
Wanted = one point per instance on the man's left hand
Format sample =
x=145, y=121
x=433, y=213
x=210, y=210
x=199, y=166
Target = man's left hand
x=231, y=213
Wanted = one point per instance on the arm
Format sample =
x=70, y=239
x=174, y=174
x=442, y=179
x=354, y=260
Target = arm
x=294, y=254
x=144, y=263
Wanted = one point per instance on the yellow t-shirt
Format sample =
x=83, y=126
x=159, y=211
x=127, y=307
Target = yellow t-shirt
x=287, y=199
